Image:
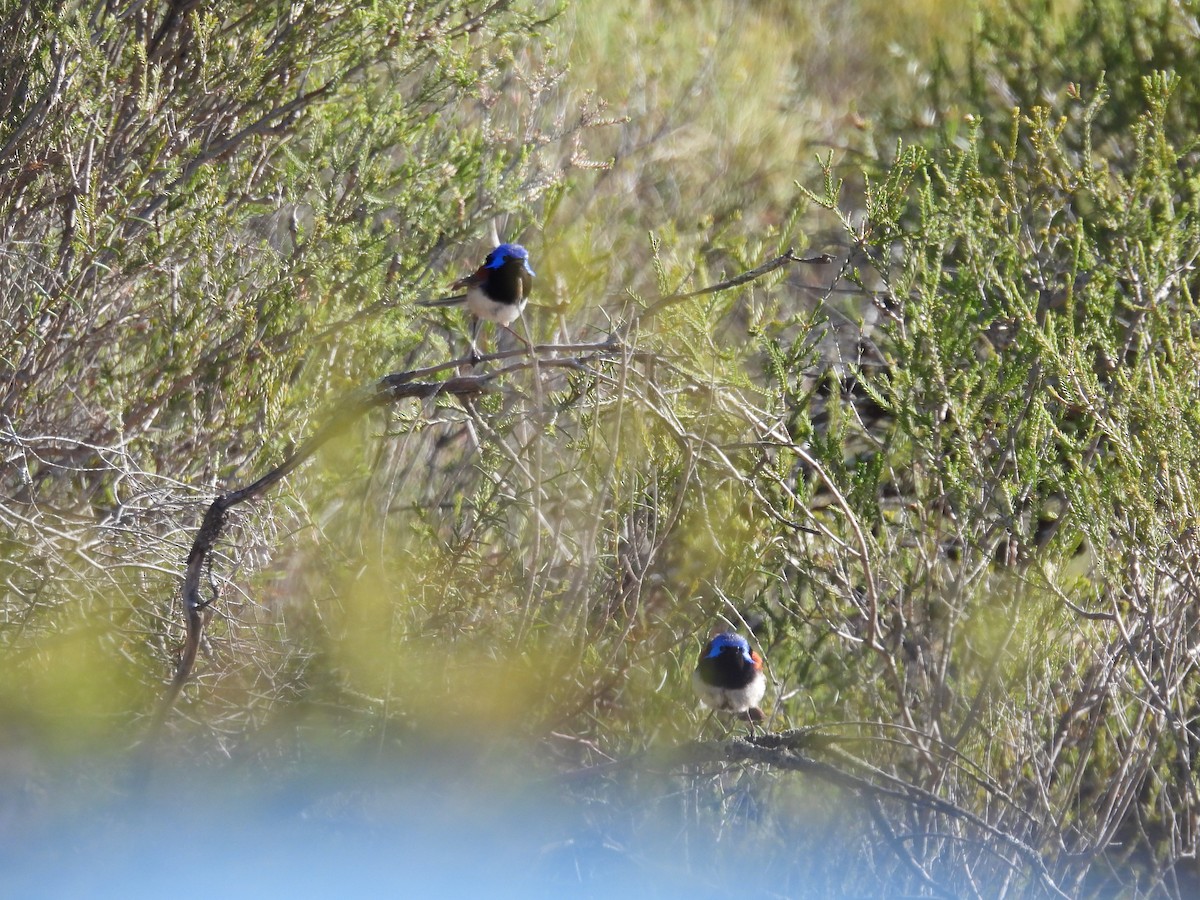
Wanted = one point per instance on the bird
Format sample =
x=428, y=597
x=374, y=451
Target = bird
x=729, y=676
x=496, y=292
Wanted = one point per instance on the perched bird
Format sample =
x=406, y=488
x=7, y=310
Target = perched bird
x=729, y=676
x=497, y=291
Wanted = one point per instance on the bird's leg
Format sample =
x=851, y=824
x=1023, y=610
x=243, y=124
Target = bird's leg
x=474, y=355
x=754, y=715
x=528, y=344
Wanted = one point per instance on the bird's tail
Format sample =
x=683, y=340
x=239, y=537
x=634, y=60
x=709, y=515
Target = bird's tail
x=443, y=301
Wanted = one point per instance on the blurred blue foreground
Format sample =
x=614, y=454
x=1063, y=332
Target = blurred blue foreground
x=323, y=833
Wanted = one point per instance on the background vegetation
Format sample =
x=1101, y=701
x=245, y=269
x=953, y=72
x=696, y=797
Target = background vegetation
x=947, y=480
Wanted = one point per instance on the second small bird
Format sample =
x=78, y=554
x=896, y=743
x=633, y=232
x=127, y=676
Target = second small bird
x=729, y=676
x=497, y=291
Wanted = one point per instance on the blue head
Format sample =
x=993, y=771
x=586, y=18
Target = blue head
x=729, y=643
x=506, y=252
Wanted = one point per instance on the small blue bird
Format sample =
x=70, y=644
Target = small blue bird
x=497, y=291
x=729, y=676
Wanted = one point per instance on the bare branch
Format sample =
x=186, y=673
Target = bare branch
x=737, y=281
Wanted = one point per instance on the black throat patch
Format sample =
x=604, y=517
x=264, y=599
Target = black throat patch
x=508, y=284
x=728, y=670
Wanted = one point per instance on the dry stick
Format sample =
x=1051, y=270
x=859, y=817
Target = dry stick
x=775, y=753
x=788, y=256
x=536, y=480
x=387, y=390
x=797, y=751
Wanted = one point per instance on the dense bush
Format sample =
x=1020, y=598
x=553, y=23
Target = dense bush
x=946, y=480
x=211, y=218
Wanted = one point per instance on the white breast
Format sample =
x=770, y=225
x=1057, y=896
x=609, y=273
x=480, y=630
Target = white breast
x=738, y=700
x=486, y=308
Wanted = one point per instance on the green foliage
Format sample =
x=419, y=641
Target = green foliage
x=1040, y=325
x=210, y=219
x=946, y=480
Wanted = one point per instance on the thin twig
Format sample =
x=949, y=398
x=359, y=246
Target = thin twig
x=765, y=269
